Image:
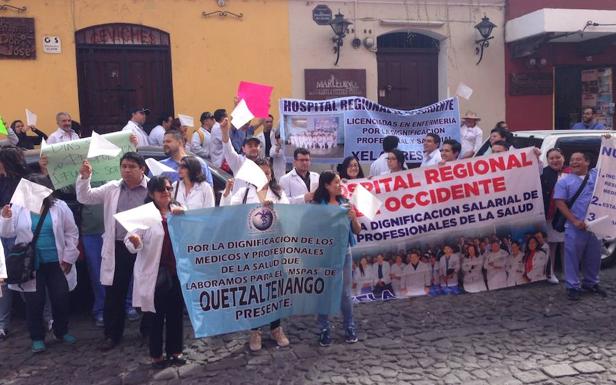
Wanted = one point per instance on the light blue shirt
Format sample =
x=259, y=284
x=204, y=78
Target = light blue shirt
x=567, y=187
x=594, y=125
x=174, y=177
x=45, y=247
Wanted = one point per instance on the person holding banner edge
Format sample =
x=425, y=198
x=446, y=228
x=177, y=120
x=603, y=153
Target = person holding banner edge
x=572, y=195
x=271, y=193
x=329, y=192
x=157, y=287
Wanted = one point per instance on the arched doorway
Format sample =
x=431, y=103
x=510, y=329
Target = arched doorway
x=407, y=70
x=120, y=66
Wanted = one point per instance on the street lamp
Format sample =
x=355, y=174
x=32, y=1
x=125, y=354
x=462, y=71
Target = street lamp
x=340, y=25
x=485, y=28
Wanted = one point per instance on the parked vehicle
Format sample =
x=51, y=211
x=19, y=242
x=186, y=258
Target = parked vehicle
x=569, y=141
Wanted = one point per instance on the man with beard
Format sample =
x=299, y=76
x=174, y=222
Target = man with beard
x=173, y=145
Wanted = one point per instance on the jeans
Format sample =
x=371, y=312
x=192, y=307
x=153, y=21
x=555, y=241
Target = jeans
x=92, y=246
x=49, y=279
x=346, y=303
x=115, y=295
x=6, y=301
x=168, y=317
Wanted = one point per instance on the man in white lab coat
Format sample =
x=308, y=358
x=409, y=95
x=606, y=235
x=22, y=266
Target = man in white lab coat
x=158, y=133
x=495, y=262
x=251, y=149
x=382, y=276
x=299, y=184
x=135, y=125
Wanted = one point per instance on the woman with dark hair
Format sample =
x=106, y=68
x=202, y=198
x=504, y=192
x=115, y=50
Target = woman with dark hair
x=535, y=260
x=395, y=161
x=191, y=190
x=156, y=288
x=27, y=142
x=329, y=192
x=12, y=168
x=55, y=253
x=472, y=269
x=552, y=173
x=269, y=194
x=364, y=277
x=350, y=168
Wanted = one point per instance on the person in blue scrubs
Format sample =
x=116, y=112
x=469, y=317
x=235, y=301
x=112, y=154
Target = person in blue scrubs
x=580, y=245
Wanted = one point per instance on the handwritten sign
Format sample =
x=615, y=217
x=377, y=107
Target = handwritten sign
x=65, y=159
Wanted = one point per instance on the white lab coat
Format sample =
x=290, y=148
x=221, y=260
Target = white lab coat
x=279, y=161
x=396, y=272
x=431, y=159
x=200, y=195
x=379, y=166
x=294, y=186
x=385, y=269
x=147, y=262
x=156, y=136
x=65, y=233
x=142, y=136
x=515, y=269
x=472, y=274
x=495, y=263
x=235, y=161
x=61, y=136
x=540, y=260
x=252, y=197
x=108, y=195
x=364, y=279
x=416, y=279
x=3, y=274
x=261, y=137
x=216, y=153
x=198, y=147
x=444, y=265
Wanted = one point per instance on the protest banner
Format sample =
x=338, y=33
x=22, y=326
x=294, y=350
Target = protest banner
x=274, y=263
x=492, y=205
x=65, y=159
x=601, y=215
x=335, y=128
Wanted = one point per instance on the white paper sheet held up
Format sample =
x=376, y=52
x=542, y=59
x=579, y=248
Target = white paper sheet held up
x=251, y=173
x=100, y=146
x=30, y=195
x=31, y=118
x=139, y=218
x=601, y=227
x=365, y=202
x=186, y=120
x=241, y=114
x=464, y=91
x=157, y=168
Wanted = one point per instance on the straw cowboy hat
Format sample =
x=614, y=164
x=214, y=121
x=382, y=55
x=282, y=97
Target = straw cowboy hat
x=471, y=115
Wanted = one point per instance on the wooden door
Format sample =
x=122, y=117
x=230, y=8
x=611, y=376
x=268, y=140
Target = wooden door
x=112, y=78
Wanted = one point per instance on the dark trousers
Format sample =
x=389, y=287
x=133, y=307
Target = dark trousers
x=273, y=325
x=49, y=278
x=115, y=295
x=169, y=315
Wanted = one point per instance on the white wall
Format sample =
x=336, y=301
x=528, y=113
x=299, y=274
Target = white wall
x=311, y=45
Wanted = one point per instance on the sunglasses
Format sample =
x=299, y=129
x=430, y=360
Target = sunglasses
x=165, y=188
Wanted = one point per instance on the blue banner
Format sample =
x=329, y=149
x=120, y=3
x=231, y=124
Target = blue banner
x=245, y=266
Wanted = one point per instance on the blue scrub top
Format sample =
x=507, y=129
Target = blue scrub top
x=352, y=240
x=567, y=187
x=45, y=248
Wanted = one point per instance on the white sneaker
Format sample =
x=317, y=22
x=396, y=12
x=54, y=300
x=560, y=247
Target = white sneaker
x=50, y=325
x=553, y=280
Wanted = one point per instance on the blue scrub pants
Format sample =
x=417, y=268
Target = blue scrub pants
x=581, y=247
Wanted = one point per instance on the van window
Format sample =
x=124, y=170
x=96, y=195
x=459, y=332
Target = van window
x=517, y=142
x=571, y=144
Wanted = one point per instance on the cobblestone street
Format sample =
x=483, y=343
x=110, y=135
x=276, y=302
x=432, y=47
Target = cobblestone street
x=525, y=335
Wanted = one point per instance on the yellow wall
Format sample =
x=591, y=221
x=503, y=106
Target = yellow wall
x=209, y=55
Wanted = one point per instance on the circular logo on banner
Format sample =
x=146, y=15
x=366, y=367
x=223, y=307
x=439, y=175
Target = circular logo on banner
x=261, y=218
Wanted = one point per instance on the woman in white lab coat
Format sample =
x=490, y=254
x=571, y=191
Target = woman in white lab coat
x=396, y=271
x=156, y=287
x=269, y=194
x=191, y=190
x=515, y=266
x=364, y=277
x=56, y=253
x=535, y=260
x=472, y=270
x=495, y=263
x=417, y=276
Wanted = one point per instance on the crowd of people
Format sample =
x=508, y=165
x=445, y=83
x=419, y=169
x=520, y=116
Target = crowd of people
x=140, y=265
